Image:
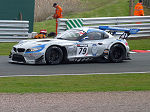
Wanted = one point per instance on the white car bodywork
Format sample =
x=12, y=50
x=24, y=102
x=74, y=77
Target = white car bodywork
x=35, y=51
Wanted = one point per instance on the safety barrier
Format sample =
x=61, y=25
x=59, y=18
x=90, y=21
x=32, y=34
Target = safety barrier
x=13, y=31
x=140, y=22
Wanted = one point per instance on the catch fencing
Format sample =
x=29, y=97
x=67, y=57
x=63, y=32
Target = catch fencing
x=138, y=22
x=146, y=3
x=13, y=30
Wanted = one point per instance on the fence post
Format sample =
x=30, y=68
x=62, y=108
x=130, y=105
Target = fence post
x=131, y=7
x=148, y=4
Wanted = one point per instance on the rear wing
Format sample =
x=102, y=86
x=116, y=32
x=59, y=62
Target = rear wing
x=114, y=30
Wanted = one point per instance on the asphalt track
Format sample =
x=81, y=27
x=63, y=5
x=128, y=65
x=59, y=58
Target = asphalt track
x=140, y=63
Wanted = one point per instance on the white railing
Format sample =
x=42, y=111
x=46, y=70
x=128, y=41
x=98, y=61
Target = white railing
x=13, y=31
x=140, y=22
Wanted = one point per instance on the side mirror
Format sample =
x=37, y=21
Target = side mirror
x=82, y=39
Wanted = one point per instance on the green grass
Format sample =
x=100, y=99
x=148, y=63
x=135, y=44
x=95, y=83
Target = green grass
x=104, y=8
x=5, y=48
x=88, y=83
x=49, y=25
x=139, y=44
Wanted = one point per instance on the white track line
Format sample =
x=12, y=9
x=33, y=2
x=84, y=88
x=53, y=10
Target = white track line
x=69, y=74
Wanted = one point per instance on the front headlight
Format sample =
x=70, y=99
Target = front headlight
x=35, y=49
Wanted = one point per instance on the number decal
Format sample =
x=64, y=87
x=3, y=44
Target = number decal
x=82, y=50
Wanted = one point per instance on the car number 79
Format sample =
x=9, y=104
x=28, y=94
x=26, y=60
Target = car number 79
x=82, y=50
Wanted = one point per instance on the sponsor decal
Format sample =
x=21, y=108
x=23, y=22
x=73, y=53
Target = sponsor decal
x=71, y=49
x=83, y=59
x=126, y=43
x=82, y=45
x=33, y=54
x=81, y=33
x=94, y=49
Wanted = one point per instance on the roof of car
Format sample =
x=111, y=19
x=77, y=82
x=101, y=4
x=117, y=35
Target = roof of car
x=88, y=29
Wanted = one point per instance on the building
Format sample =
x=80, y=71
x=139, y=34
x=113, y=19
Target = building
x=18, y=10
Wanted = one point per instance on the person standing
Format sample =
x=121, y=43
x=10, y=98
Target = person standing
x=138, y=10
x=58, y=14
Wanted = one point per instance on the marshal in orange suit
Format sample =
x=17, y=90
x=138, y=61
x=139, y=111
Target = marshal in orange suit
x=58, y=14
x=138, y=10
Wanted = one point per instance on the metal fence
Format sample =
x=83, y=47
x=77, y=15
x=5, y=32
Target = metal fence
x=146, y=3
x=13, y=31
x=140, y=22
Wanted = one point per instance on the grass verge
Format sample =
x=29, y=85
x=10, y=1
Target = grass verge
x=88, y=83
x=139, y=44
x=5, y=48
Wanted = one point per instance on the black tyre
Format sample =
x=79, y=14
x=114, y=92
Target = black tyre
x=117, y=53
x=54, y=55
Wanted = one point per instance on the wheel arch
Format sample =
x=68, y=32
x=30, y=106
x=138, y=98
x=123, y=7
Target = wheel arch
x=125, y=54
x=64, y=50
x=117, y=43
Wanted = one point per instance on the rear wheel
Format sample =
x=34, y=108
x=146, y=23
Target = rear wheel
x=117, y=53
x=54, y=55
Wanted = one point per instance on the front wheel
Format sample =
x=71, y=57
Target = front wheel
x=117, y=53
x=54, y=55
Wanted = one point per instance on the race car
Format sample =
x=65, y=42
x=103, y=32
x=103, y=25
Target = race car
x=75, y=45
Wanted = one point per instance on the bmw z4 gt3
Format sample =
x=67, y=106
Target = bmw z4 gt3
x=79, y=44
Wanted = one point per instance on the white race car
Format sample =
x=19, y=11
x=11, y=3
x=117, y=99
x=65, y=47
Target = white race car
x=79, y=44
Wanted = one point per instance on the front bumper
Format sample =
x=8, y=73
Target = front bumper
x=29, y=58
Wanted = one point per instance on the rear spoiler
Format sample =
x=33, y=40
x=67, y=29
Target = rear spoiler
x=113, y=30
x=131, y=31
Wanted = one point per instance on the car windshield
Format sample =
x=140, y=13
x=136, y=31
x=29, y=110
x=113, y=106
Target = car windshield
x=70, y=35
x=77, y=35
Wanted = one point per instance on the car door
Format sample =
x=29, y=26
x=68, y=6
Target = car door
x=91, y=45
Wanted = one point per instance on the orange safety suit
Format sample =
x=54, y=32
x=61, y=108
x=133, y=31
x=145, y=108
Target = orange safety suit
x=58, y=14
x=138, y=10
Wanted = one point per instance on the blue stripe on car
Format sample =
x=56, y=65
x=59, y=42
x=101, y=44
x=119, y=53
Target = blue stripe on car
x=42, y=47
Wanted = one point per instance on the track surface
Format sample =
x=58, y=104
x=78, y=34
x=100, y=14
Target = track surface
x=140, y=63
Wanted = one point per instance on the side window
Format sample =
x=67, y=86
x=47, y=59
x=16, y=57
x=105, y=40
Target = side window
x=72, y=35
x=106, y=36
x=95, y=36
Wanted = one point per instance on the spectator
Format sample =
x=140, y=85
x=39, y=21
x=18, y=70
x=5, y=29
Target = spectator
x=58, y=14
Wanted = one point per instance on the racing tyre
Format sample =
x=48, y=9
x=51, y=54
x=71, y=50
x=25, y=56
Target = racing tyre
x=54, y=55
x=117, y=53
